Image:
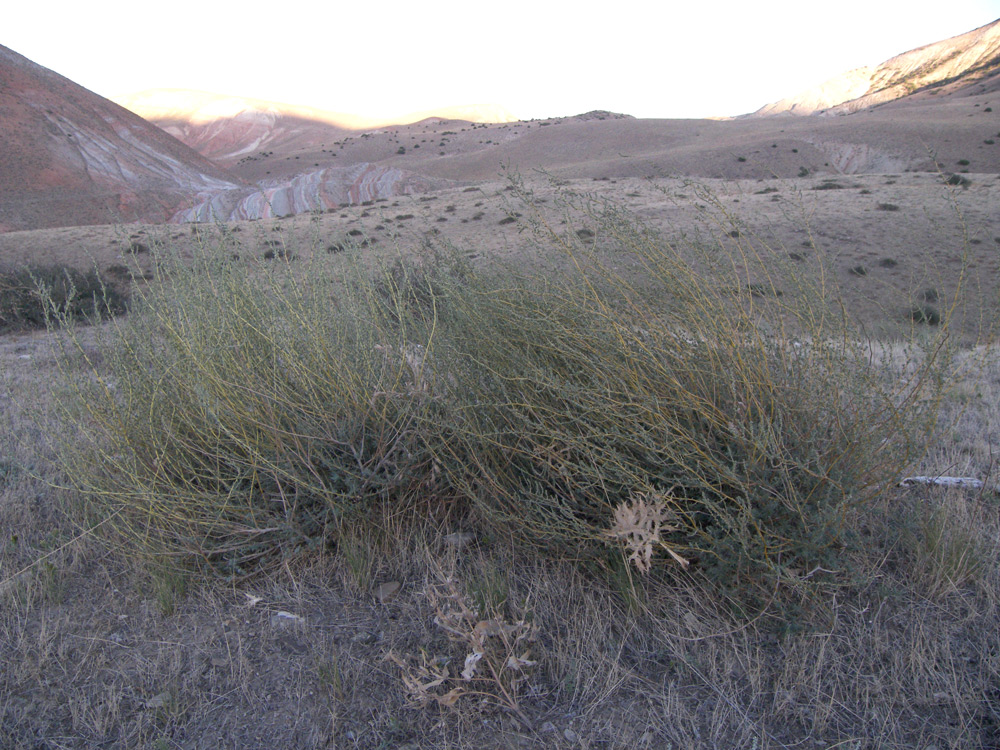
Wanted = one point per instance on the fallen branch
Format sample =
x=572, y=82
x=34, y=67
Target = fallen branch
x=970, y=482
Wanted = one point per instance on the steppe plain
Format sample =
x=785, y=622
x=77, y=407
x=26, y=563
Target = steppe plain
x=100, y=651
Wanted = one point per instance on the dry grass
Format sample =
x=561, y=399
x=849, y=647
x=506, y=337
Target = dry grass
x=897, y=650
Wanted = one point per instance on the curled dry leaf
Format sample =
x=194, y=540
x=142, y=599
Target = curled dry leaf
x=470, y=665
x=518, y=663
x=638, y=524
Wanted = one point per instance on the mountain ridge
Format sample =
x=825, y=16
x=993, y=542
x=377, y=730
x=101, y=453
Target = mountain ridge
x=965, y=59
x=72, y=157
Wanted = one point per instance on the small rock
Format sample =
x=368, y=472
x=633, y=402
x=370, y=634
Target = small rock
x=290, y=645
x=158, y=701
x=387, y=591
x=285, y=619
x=459, y=539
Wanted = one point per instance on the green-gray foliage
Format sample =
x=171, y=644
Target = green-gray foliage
x=245, y=410
x=28, y=295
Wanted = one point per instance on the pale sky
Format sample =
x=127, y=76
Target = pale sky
x=534, y=57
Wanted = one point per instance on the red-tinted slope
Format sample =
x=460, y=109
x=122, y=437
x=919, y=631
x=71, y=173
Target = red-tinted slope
x=70, y=157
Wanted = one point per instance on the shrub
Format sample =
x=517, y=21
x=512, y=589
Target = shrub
x=712, y=420
x=926, y=314
x=30, y=296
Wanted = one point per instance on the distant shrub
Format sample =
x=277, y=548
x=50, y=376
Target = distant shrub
x=34, y=296
x=886, y=207
x=119, y=272
x=926, y=314
x=957, y=180
x=858, y=270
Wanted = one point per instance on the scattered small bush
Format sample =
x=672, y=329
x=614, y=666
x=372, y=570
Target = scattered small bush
x=33, y=296
x=926, y=315
x=886, y=207
x=119, y=272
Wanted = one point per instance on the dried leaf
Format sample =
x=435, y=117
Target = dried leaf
x=638, y=525
x=470, y=665
x=451, y=697
x=518, y=663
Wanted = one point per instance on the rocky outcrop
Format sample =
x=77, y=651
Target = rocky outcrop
x=312, y=191
x=71, y=157
x=962, y=59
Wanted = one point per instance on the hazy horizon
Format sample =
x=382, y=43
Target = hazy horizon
x=720, y=59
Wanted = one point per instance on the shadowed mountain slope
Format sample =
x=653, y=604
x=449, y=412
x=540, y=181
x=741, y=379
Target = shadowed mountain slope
x=71, y=157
